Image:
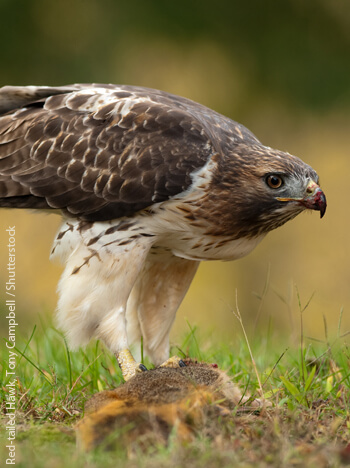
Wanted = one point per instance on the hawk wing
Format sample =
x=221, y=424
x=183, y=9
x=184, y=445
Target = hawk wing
x=98, y=152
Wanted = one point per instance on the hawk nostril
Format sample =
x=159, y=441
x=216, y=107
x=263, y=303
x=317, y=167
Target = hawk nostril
x=311, y=187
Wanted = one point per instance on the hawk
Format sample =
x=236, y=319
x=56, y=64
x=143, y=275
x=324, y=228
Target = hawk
x=149, y=184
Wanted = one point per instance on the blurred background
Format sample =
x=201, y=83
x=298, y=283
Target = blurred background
x=280, y=68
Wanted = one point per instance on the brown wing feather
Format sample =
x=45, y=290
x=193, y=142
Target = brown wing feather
x=99, y=154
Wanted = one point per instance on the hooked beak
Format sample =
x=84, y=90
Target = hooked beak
x=314, y=199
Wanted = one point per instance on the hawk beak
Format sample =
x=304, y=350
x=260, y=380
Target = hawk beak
x=314, y=199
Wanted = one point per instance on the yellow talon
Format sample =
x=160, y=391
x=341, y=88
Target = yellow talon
x=128, y=365
x=174, y=361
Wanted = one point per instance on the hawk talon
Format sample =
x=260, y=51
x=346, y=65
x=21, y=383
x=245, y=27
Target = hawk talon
x=173, y=362
x=141, y=368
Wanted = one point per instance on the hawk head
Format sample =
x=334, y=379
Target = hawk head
x=263, y=188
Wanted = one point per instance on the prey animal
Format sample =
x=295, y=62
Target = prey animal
x=149, y=184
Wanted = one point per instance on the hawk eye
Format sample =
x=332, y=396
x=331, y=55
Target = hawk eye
x=274, y=181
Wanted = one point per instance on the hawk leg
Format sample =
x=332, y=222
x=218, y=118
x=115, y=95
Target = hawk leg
x=128, y=365
x=153, y=303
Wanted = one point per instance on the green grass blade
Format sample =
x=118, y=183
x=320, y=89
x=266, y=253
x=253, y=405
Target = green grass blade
x=310, y=379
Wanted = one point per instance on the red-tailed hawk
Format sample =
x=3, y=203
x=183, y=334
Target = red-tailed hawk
x=149, y=184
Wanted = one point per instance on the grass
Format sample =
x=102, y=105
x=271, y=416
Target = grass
x=308, y=424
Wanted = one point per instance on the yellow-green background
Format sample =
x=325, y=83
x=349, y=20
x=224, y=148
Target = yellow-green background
x=282, y=68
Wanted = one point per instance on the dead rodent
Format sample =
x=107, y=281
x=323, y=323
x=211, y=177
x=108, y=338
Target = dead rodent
x=153, y=404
